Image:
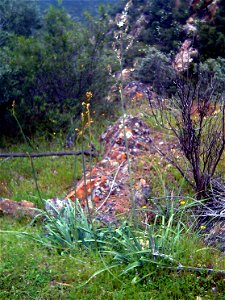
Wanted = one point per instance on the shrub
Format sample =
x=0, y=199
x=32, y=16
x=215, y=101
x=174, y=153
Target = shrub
x=157, y=70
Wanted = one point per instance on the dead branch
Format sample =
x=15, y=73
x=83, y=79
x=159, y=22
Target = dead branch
x=45, y=154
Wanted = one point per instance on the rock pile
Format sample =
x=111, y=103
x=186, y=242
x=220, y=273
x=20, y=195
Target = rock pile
x=106, y=188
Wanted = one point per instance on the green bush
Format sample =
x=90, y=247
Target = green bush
x=164, y=29
x=211, y=35
x=48, y=74
x=156, y=69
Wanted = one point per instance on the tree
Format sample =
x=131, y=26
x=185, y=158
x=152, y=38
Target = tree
x=196, y=116
x=48, y=74
x=20, y=17
x=211, y=35
x=166, y=18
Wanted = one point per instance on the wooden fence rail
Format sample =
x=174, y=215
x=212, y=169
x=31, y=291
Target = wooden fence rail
x=44, y=154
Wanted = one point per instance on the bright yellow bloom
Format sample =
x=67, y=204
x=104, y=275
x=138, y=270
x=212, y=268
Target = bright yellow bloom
x=203, y=227
x=182, y=202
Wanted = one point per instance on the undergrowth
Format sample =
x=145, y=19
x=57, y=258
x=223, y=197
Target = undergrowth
x=62, y=255
x=28, y=271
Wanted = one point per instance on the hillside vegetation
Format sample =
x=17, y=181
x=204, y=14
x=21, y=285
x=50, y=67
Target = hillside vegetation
x=76, y=8
x=138, y=91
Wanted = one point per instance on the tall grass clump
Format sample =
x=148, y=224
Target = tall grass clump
x=64, y=228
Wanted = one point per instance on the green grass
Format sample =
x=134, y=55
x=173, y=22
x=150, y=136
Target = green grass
x=55, y=175
x=28, y=271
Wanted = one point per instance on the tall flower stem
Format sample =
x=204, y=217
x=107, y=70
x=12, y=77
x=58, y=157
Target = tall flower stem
x=134, y=215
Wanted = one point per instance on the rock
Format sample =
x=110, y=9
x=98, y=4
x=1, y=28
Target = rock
x=190, y=28
x=185, y=56
x=108, y=183
x=17, y=208
x=55, y=205
x=137, y=91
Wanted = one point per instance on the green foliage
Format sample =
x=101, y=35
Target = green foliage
x=164, y=29
x=157, y=70
x=211, y=35
x=28, y=271
x=214, y=69
x=65, y=228
x=48, y=74
x=76, y=8
x=20, y=17
x=16, y=177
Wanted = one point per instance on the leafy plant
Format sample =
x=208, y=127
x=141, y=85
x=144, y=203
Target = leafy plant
x=155, y=68
x=65, y=228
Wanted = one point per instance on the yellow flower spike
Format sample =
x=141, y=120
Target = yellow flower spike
x=144, y=206
x=182, y=202
x=203, y=227
x=89, y=95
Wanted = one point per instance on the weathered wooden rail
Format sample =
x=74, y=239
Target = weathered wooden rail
x=45, y=154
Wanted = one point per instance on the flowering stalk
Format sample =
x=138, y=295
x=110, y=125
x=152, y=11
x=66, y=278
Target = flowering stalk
x=119, y=53
x=86, y=122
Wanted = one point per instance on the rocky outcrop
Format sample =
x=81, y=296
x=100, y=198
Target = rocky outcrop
x=185, y=56
x=203, y=11
x=190, y=28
